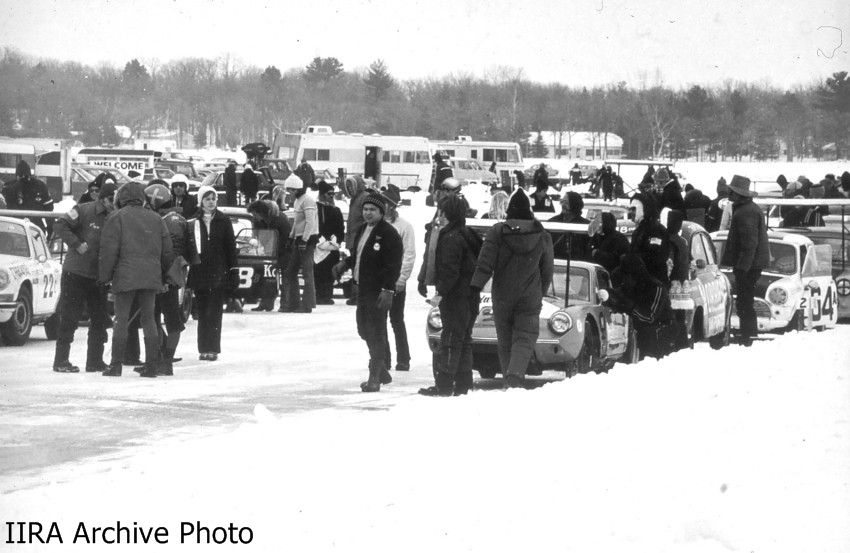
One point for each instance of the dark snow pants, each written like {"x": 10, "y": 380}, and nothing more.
{"x": 517, "y": 327}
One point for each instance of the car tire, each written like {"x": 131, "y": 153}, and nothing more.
{"x": 16, "y": 331}
{"x": 588, "y": 357}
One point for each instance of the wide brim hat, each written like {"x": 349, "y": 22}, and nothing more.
{"x": 741, "y": 186}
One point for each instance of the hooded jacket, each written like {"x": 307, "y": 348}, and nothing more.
{"x": 135, "y": 247}
{"x": 83, "y": 223}
{"x": 650, "y": 240}
{"x": 274, "y": 219}
{"x": 608, "y": 245}
{"x": 518, "y": 255}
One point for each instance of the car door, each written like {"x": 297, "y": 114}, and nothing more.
{"x": 709, "y": 286}
{"x": 820, "y": 305}
{"x": 615, "y": 331}
{"x": 45, "y": 285}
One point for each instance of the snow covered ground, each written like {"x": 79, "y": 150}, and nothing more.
{"x": 738, "y": 450}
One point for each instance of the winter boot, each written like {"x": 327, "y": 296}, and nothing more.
{"x": 151, "y": 366}
{"x": 166, "y": 366}
{"x": 374, "y": 382}
{"x": 114, "y": 369}
{"x": 94, "y": 356}
{"x": 60, "y": 358}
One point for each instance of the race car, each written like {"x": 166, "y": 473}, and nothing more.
{"x": 796, "y": 290}
{"x": 577, "y": 333}
{"x": 30, "y": 280}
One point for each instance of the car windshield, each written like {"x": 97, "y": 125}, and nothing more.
{"x": 579, "y": 283}
{"x": 783, "y": 257}
{"x": 185, "y": 169}
{"x": 13, "y": 240}
{"x": 255, "y": 242}
{"x": 163, "y": 173}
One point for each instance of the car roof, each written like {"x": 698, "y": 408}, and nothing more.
{"x": 773, "y": 236}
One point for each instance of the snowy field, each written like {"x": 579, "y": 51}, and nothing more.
{"x": 737, "y": 450}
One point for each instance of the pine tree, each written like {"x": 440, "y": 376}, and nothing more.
{"x": 379, "y": 81}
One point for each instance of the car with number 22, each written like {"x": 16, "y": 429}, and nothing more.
{"x": 30, "y": 280}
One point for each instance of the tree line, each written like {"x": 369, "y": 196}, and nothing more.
{"x": 225, "y": 103}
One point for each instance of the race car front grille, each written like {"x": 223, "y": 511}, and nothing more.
{"x": 762, "y": 308}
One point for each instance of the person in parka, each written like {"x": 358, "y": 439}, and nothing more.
{"x": 267, "y": 215}
{"x": 27, "y": 193}
{"x": 456, "y": 255}
{"x": 649, "y": 239}
{"x": 518, "y": 255}
{"x": 231, "y": 187}
{"x": 249, "y": 184}
{"x": 135, "y": 256}
{"x": 608, "y": 244}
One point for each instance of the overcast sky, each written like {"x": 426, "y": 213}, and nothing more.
{"x": 570, "y": 41}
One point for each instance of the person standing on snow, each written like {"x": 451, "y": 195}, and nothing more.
{"x": 249, "y": 184}
{"x": 306, "y": 174}
{"x": 304, "y": 237}
{"x": 518, "y": 255}
{"x": 331, "y": 235}
{"x": 747, "y": 253}
{"x": 135, "y": 256}
{"x": 457, "y": 252}
{"x": 212, "y": 274}
{"x": 80, "y": 229}
{"x": 27, "y": 193}
{"x": 442, "y": 171}
{"x": 375, "y": 261}
{"x": 230, "y": 185}
{"x": 392, "y": 197}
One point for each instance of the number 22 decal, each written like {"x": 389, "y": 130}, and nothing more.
{"x": 49, "y": 286}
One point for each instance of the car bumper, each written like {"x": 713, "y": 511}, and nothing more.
{"x": 769, "y": 317}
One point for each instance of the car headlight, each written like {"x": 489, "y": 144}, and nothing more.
{"x": 4, "y": 279}
{"x": 434, "y": 320}
{"x": 778, "y": 295}
{"x": 560, "y": 322}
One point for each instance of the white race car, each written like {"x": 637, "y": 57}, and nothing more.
{"x": 796, "y": 290}
{"x": 30, "y": 280}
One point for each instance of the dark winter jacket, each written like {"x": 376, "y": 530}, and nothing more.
{"x": 188, "y": 205}
{"x": 518, "y": 255}
{"x": 27, "y": 193}
{"x": 178, "y": 230}
{"x": 135, "y": 247}
{"x": 249, "y": 183}
{"x": 747, "y": 244}
{"x": 672, "y": 196}
{"x": 216, "y": 250}
{"x": 442, "y": 171}
{"x": 306, "y": 174}
{"x": 650, "y": 242}
{"x": 331, "y": 223}
{"x": 229, "y": 179}
{"x": 607, "y": 246}
{"x": 679, "y": 252}
{"x": 541, "y": 202}
{"x": 83, "y": 223}
{"x": 455, "y": 259}
{"x": 381, "y": 262}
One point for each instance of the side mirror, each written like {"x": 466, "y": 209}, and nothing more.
{"x": 701, "y": 264}
{"x": 603, "y": 295}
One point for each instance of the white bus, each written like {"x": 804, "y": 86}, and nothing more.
{"x": 401, "y": 160}
{"x": 507, "y": 155}
{"x": 132, "y": 162}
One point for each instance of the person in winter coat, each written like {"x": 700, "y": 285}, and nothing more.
{"x": 80, "y": 229}
{"x": 135, "y": 256}
{"x": 94, "y": 188}
{"x": 540, "y": 179}
{"x": 212, "y": 274}
{"x": 540, "y": 200}
{"x": 442, "y": 171}
{"x": 268, "y": 216}
{"x": 845, "y": 184}
{"x": 607, "y": 244}
{"x": 680, "y": 254}
{"x": 331, "y": 236}
{"x": 606, "y": 180}
{"x": 230, "y": 184}
{"x": 649, "y": 239}
{"x": 375, "y": 261}
{"x": 747, "y": 252}
{"x": 392, "y": 197}
{"x": 304, "y": 236}
{"x": 714, "y": 215}
{"x": 27, "y": 193}
{"x": 427, "y": 269}
{"x": 518, "y": 255}
{"x": 457, "y": 253}
{"x": 249, "y": 184}
{"x": 576, "y": 176}
{"x": 671, "y": 196}
{"x": 182, "y": 202}
{"x": 570, "y": 244}
{"x": 167, "y": 307}
{"x": 306, "y": 174}
{"x": 645, "y": 299}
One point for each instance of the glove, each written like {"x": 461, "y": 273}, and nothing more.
{"x": 422, "y": 289}
{"x": 339, "y": 269}
{"x": 82, "y": 248}
{"x": 385, "y": 300}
